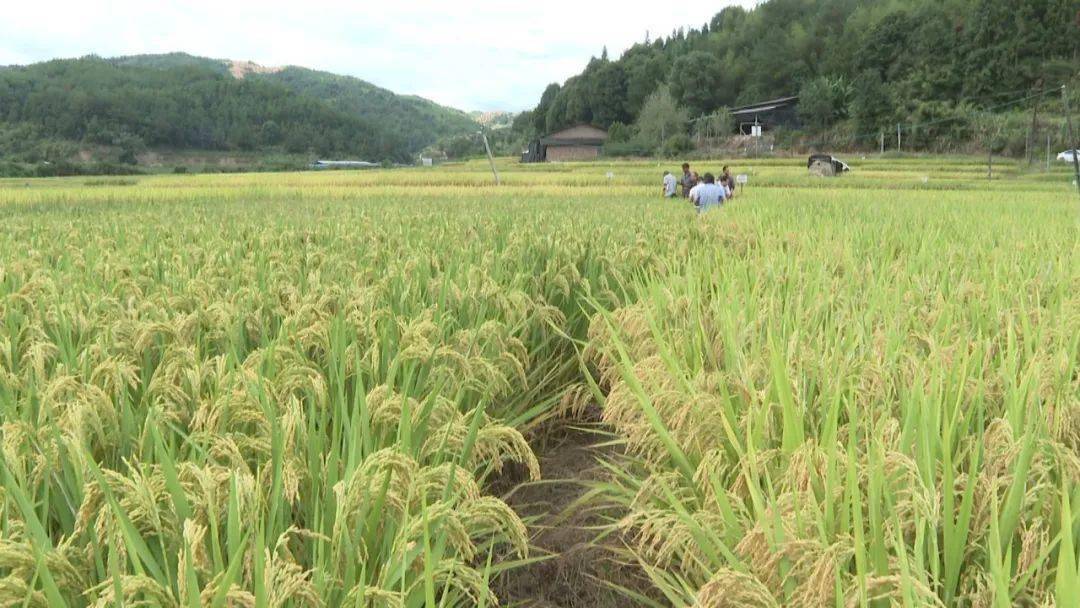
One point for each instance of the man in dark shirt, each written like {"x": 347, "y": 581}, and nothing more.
{"x": 688, "y": 180}
{"x": 728, "y": 181}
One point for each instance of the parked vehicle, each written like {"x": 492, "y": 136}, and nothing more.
{"x": 1068, "y": 156}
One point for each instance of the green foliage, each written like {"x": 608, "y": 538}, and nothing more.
{"x": 871, "y": 59}
{"x": 660, "y": 118}
{"x": 824, "y": 100}
{"x": 1007, "y": 134}
{"x": 525, "y": 124}
{"x": 461, "y": 146}
{"x": 540, "y": 114}
{"x": 190, "y": 103}
{"x": 937, "y": 121}
{"x": 717, "y": 124}
{"x": 696, "y": 82}
{"x": 503, "y": 142}
{"x": 677, "y": 145}
{"x": 632, "y": 148}
{"x": 646, "y": 69}
{"x": 399, "y": 120}
{"x": 871, "y": 106}
{"x": 599, "y": 97}
{"x": 620, "y": 133}
{"x": 607, "y": 92}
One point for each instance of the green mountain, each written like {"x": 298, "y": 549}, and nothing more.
{"x": 418, "y": 121}
{"x": 180, "y": 102}
{"x": 168, "y": 61}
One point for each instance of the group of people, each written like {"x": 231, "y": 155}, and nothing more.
{"x": 705, "y": 192}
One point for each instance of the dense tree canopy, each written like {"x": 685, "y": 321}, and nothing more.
{"x": 660, "y": 118}
{"x": 917, "y": 58}
{"x": 183, "y": 102}
{"x": 417, "y": 122}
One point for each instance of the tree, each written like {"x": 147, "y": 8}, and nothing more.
{"x": 572, "y": 104}
{"x": 540, "y": 114}
{"x": 645, "y": 70}
{"x": 270, "y": 133}
{"x": 194, "y": 106}
{"x": 696, "y": 82}
{"x": 676, "y": 145}
{"x": 129, "y": 146}
{"x": 884, "y": 47}
{"x": 660, "y": 118}
{"x": 824, "y": 100}
{"x": 871, "y": 106}
{"x": 524, "y": 124}
{"x": 607, "y": 95}
{"x": 729, "y": 19}
{"x": 620, "y": 133}
{"x": 816, "y": 104}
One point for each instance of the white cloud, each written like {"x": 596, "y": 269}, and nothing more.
{"x": 471, "y": 54}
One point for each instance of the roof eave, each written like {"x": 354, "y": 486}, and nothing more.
{"x": 572, "y": 142}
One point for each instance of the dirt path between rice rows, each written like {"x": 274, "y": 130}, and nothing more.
{"x": 573, "y": 577}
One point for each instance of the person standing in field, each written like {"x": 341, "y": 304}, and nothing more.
{"x": 727, "y": 180}
{"x": 688, "y": 181}
{"x": 708, "y": 194}
{"x": 669, "y": 185}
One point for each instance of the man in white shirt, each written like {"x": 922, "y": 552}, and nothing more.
{"x": 708, "y": 194}
{"x": 670, "y": 184}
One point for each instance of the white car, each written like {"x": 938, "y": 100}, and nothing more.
{"x": 1068, "y": 156}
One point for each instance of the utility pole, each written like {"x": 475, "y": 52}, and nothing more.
{"x": 1072, "y": 142}
{"x": 1047, "y": 152}
{"x": 491, "y": 159}
{"x": 882, "y": 143}
{"x": 897, "y": 137}
{"x": 1033, "y": 131}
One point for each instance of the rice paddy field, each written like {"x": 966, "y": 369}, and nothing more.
{"x": 304, "y": 390}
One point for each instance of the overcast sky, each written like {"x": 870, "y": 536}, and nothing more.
{"x": 470, "y": 54}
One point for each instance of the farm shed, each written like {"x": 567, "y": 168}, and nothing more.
{"x": 768, "y": 115}
{"x": 581, "y": 142}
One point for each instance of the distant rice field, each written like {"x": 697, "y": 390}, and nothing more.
{"x": 298, "y": 389}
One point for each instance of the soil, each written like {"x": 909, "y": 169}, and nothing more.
{"x": 239, "y": 69}
{"x": 574, "y": 576}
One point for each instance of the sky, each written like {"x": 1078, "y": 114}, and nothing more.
{"x": 468, "y": 54}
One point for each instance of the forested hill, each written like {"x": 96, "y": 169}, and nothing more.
{"x": 182, "y": 102}
{"x": 868, "y": 62}
{"x": 418, "y": 121}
